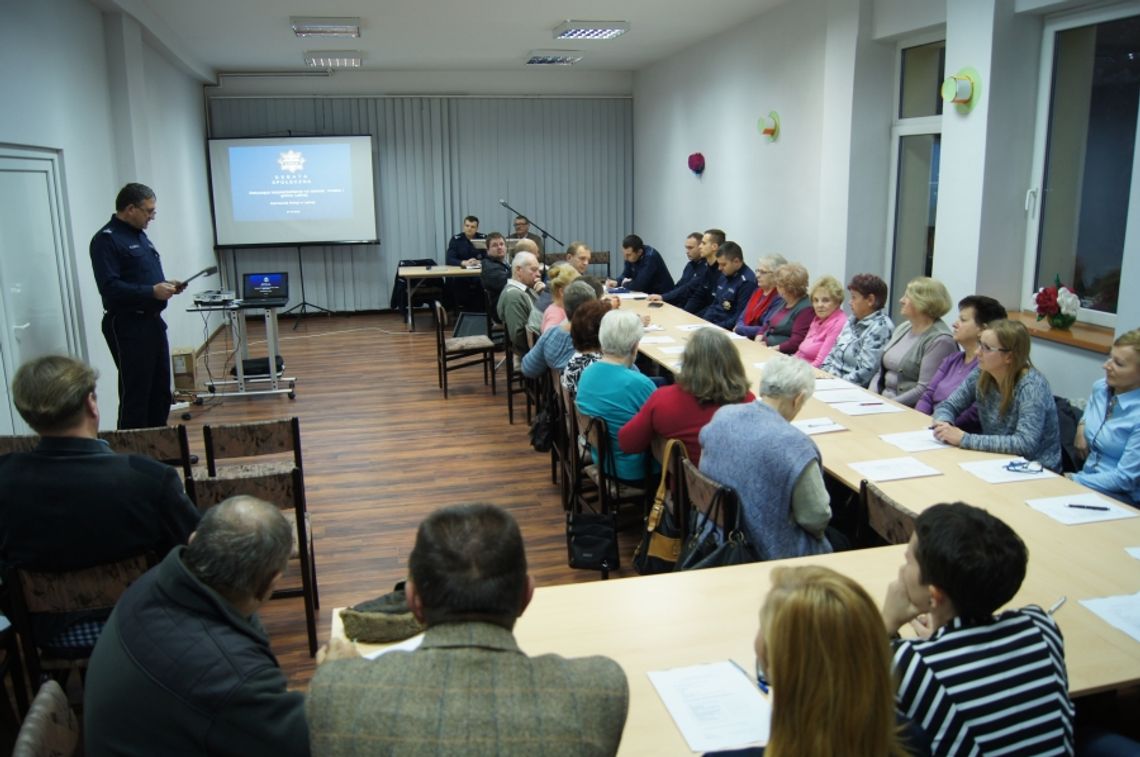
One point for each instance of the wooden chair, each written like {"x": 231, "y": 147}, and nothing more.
{"x": 613, "y": 492}
{"x": 286, "y": 489}
{"x": 496, "y": 332}
{"x": 516, "y": 382}
{"x": 92, "y": 589}
{"x": 254, "y": 439}
{"x": 50, "y": 728}
{"x": 885, "y": 515}
{"x": 12, "y": 668}
{"x": 453, "y": 353}
{"x": 601, "y": 258}
{"x": 703, "y": 494}
{"x": 18, "y": 443}
{"x": 167, "y": 444}
{"x": 575, "y": 483}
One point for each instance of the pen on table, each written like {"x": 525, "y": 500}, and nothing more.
{"x": 869, "y": 404}
{"x": 759, "y": 681}
{"x": 1079, "y": 506}
{"x": 1056, "y": 605}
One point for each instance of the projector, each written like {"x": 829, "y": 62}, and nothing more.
{"x": 214, "y": 297}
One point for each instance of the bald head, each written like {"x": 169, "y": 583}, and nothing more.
{"x": 526, "y": 245}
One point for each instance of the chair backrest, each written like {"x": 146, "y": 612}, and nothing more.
{"x": 251, "y": 439}
{"x": 279, "y": 486}
{"x": 439, "y": 320}
{"x": 671, "y": 467}
{"x": 34, "y": 592}
{"x": 19, "y": 443}
{"x": 168, "y": 444}
{"x": 601, "y": 258}
{"x": 494, "y": 325}
{"x": 717, "y": 501}
{"x": 885, "y": 515}
{"x": 50, "y": 727}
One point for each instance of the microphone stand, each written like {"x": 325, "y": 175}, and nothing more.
{"x": 546, "y": 235}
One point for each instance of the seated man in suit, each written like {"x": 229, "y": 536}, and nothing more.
{"x": 468, "y": 688}
{"x": 691, "y": 277}
{"x": 517, "y": 299}
{"x": 977, "y": 683}
{"x": 184, "y": 665}
{"x": 734, "y": 287}
{"x": 645, "y": 270}
{"x": 72, "y": 502}
{"x": 522, "y": 231}
{"x": 701, "y": 293}
{"x": 496, "y": 271}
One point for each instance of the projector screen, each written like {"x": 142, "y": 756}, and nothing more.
{"x": 292, "y": 190}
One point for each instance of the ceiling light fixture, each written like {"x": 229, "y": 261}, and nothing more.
{"x": 333, "y": 58}
{"x": 553, "y": 57}
{"x": 313, "y": 26}
{"x": 590, "y": 29}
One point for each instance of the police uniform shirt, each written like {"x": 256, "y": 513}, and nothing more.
{"x": 730, "y": 297}
{"x": 460, "y": 249}
{"x": 127, "y": 267}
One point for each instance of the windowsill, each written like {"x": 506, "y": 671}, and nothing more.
{"x": 1081, "y": 335}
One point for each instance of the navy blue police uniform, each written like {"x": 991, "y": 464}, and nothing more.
{"x": 127, "y": 267}
{"x": 731, "y": 295}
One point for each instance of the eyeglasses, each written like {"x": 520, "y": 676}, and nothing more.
{"x": 986, "y": 348}
{"x": 150, "y": 212}
{"x": 762, "y": 272}
{"x": 1023, "y": 466}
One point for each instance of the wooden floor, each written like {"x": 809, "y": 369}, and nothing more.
{"x": 382, "y": 449}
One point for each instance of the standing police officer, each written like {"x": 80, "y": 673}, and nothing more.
{"x": 134, "y": 289}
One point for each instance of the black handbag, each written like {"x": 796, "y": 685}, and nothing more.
{"x": 707, "y": 548}
{"x": 660, "y": 543}
{"x": 591, "y": 540}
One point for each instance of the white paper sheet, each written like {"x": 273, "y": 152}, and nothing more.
{"x": 853, "y": 394}
{"x": 995, "y": 472}
{"x": 759, "y": 363}
{"x": 694, "y": 326}
{"x": 655, "y": 327}
{"x": 873, "y": 407}
{"x": 715, "y": 706}
{"x": 673, "y": 350}
{"x": 1133, "y": 552}
{"x": 407, "y": 645}
{"x": 663, "y": 339}
{"x": 1094, "y": 508}
{"x": 1122, "y": 612}
{"x": 629, "y": 295}
{"x": 914, "y": 441}
{"x": 832, "y": 384}
{"x": 893, "y": 468}
{"x": 813, "y": 426}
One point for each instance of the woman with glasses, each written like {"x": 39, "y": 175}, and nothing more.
{"x": 1108, "y": 435}
{"x": 1015, "y": 404}
{"x": 765, "y": 301}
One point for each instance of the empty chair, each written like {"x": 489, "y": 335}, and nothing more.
{"x": 19, "y": 443}
{"x": 231, "y": 441}
{"x": 167, "y": 444}
{"x": 886, "y": 516}
{"x": 455, "y": 352}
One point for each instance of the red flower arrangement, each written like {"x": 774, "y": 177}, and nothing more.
{"x": 1058, "y": 303}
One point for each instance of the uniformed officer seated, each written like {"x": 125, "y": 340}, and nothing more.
{"x": 735, "y": 286}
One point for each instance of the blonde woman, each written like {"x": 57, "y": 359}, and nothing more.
{"x": 822, "y": 647}
{"x": 826, "y": 299}
{"x": 1015, "y": 404}
{"x": 1109, "y": 434}
{"x": 788, "y": 325}
{"x": 560, "y": 277}
{"x": 918, "y": 346}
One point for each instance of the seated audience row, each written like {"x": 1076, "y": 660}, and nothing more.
{"x": 789, "y": 324}
{"x": 584, "y": 328}
{"x": 765, "y": 301}
{"x": 859, "y": 348}
{"x": 555, "y": 347}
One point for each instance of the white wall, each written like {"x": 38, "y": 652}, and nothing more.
{"x": 60, "y": 88}
{"x": 708, "y": 99}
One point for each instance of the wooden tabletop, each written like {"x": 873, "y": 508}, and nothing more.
{"x": 435, "y": 271}
{"x": 657, "y": 622}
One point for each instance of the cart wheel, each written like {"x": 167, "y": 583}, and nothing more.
{"x": 292, "y": 395}
{"x": 199, "y": 401}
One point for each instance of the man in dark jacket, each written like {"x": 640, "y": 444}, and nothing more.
{"x": 734, "y": 288}
{"x": 72, "y": 502}
{"x": 644, "y": 270}
{"x": 183, "y": 665}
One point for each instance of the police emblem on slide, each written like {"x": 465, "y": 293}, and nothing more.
{"x": 291, "y": 161}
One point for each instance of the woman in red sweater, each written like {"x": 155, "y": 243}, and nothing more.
{"x": 711, "y": 375}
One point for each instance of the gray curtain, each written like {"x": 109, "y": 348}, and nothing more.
{"x": 565, "y": 162}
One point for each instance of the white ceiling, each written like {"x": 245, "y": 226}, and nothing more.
{"x": 254, "y": 35}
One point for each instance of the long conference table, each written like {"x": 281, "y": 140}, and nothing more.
{"x": 658, "y": 622}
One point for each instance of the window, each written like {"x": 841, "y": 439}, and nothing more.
{"x": 1086, "y": 146}
{"x": 916, "y": 138}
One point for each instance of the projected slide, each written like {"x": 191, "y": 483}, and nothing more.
{"x": 314, "y": 190}
{"x": 273, "y": 184}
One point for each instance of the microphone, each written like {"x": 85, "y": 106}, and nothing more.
{"x": 502, "y": 202}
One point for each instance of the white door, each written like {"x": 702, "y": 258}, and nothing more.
{"x": 37, "y": 287}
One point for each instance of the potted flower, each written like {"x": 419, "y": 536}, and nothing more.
{"x": 1058, "y": 303}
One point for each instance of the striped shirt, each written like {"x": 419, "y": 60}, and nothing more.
{"x": 994, "y": 688}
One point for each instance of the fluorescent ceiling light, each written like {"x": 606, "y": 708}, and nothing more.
{"x": 312, "y": 26}
{"x": 333, "y": 58}
{"x": 553, "y": 57}
{"x": 590, "y": 29}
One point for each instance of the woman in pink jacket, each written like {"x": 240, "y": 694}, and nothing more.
{"x": 826, "y": 298}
